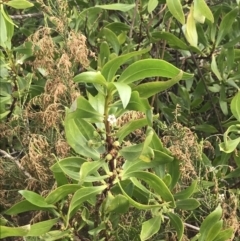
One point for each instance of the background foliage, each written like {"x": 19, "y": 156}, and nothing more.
{"x": 120, "y": 121}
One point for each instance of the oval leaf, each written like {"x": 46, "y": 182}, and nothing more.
{"x": 187, "y": 204}
{"x": 150, "y": 227}
{"x": 150, "y": 68}
{"x": 176, "y": 10}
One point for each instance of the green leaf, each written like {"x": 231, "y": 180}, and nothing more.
{"x": 161, "y": 157}
{"x": 150, "y": 227}
{"x": 177, "y": 224}
{"x": 139, "y": 151}
{"x": 70, "y": 166}
{"x": 215, "y": 69}
{"x": 190, "y": 30}
{"x": 154, "y": 182}
{"x": 110, "y": 68}
{"x": 83, "y": 195}
{"x": 233, "y": 174}
{"x": 35, "y": 199}
{"x": 225, "y": 25}
{"x": 90, "y": 77}
{"x": 117, "y": 6}
{"x": 230, "y": 145}
{"x": 111, "y": 38}
{"x": 214, "y": 230}
{"x": 187, "y": 204}
{"x": 103, "y": 55}
{"x": 176, "y": 10}
{"x": 137, "y": 204}
{"x": 171, "y": 39}
{"x": 186, "y": 193}
{"x": 14, "y": 232}
{"x": 83, "y": 109}
{"x": 22, "y": 207}
{"x": 3, "y": 31}
{"x": 89, "y": 168}
{"x": 205, "y": 128}
{"x": 224, "y": 235}
{"x": 208, "y": 221}
{"x": 19, "y": 4}
{"x": 119, "y": 204}
{"x": 152, "y": 4}
{"x": 201, "y": 10}
{"x": 41, "y": 228}
{"x": 235, "y": 106}
{"x": 61, "y": 192}
{"x": 125, "y": 92}
{"x": 149, "y": 89}
{"x": 174, "y": 171}
{"x": 130, "y": 127}
{"x": 150, "y": 68}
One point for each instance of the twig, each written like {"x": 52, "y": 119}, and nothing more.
{"x": 186, "y": 224}
{"x": 133, "y": 19}
{"x": 6, "y": 155}
{"x": 28, "y": 15}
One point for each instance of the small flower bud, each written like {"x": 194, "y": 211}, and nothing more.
{"x": 116, "y": 144}
{"x": 109, "y": 157}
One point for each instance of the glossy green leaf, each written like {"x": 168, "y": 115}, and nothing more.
{"x": 149, "y": 89}
{"x": 103, "y": 55}
{"x": 90, "y": 77}
{"x": 171, "y": 39}
{"x": 187, "y": 204}
{"x": 35, "y": 199}
{"x": 109, "y": 70}
{"x": 117, "y": 6}
{"x": 118, "y": 27}
{"x": 225, "y": 25}
{"x": 235, "y": 106}
{"x": 177, "y": 224}
{"x": 61, "y": 193}
{"x": 19, "y": 4}
{"x": 150, "y": 68}
{"x": 229, "y": 145}
{"x": 215, "y": 69}
{"x": 21, "y": 207}
{"x": 79, "y": 132}
{"x": 212, "y": 218}
{"x": 154, "y": 182}
{"x": 41, "y": 228}
{"x": 186, "y": 193}
{"x": 205, "y": 128}
{"x": 233, "y": 174}
{"x": 119, "y": 204}
{"x": 190, "y": 29}
{"x": 130, "y": 127}
{"x": 201, "y": 10}
{"x": 152, "y": 4}
{"x": 161, "y": 157}
{"x": 81, "y": 108}
{"x": 3, "y": 31}
{"x": 137, "y": 204}
{"x": 125, "y": 92}
{"x": 224, "y": 235}
{"x": 176, "y": 10}
{"x": 139, "y": 151}
{"x": 83, "y": 195}
{"x": 174, "y": 171}
{"x": 111, "y": 38}
{"x": 150, "y": 227}
{"x": 89, "y": 168}
{"x": 14, "y": 232}
{"x": 70, "y": 166}
{"x": 214, "y": 230}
